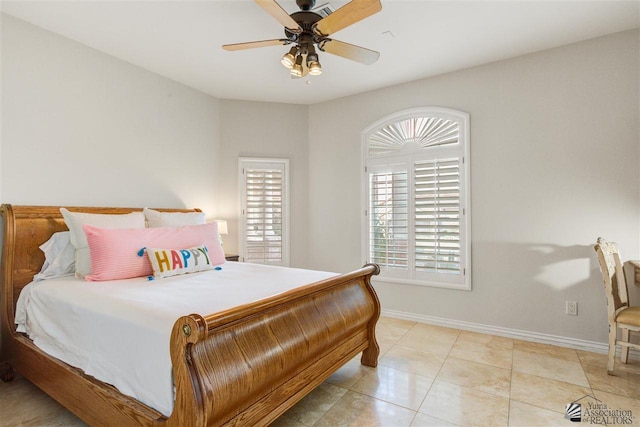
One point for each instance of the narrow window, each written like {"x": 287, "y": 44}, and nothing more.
{"x": 264, "y": 185}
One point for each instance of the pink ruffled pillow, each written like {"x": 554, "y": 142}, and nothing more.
{"x": 114, "y": 251}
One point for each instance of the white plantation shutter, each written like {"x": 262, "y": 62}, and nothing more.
{"x": 424, "y": 131}
{"x": 437, "y": 216}
{"x": 389, "y": 219}
{"x": 263, "y": 213}
{"x": 417, "y": 192}
{"x": 264, "y": 228}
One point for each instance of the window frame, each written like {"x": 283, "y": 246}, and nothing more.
{"x": 243, "y": 163}
{"x": 408, "y": 159}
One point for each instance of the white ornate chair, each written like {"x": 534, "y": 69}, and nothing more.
{"x": 619, "y": 313}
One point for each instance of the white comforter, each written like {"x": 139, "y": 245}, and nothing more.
{"x": 119, "y": 331}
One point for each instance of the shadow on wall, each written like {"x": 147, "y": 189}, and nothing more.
{"x": 564, "y": 267}
{"x": 532, "y": 265}
{"x": 537, "y": 278}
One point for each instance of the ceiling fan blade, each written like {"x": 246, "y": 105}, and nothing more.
{"x": 252, "y": 45}
{"x": 281, "y": 15}
{"x": 349, "y": 51}
{"x": 350, "y": 13}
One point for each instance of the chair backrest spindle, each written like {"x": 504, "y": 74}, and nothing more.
{"x": 613, "y": 275}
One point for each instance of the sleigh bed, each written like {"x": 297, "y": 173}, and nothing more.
{"x": 242, "y": 366}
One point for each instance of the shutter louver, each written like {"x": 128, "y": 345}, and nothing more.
{"x": 426, "y": 132}
{"x": 264, "y": 216}
{"x": 389, "y": 219}
{"x": 437, "y": 216}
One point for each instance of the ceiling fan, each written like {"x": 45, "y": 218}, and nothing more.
{"x": 306, "y": 30}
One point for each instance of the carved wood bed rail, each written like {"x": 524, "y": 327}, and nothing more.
{"x": 242, "y": 366}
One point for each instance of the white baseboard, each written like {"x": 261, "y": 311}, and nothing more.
{"x": 593, "y": 346}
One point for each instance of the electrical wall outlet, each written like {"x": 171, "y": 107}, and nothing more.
{"x": 572, "y": 308}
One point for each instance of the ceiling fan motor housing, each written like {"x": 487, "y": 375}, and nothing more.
{"x": 306, "y": 20}
{"x": 306, "y": 4}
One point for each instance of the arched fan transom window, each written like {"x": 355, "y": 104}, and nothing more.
{"x": 416, "y": 225}
{"x": 413, "y": 134}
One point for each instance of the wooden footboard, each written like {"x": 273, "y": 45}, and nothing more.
{"x": 243, "y": 366}
{"x": 246, "y": 366}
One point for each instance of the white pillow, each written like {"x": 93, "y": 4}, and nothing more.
{"x": 173, "y": 219}
{"x": 59, "y": 257}
{"x": 75, "y": 221}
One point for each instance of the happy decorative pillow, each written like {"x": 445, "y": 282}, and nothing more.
{"x": 114, "y": 252}
{"x": 171, "y": 262}
{"x": 75, "y": 221}
{"x": 173, "y": 219}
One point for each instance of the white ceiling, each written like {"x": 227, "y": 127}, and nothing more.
{"x": 181, "y": 39}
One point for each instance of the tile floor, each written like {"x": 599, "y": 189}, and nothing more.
{"x": 427, "y": 376}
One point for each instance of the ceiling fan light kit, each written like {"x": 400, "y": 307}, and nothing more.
{"x": 313, "y": 63}
{"x": 307, "y": 30}
{"x": 297, "y": 71}
{"x": 289, "y": 58}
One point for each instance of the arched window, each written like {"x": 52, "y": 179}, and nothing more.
{"x": 416, "y": 191}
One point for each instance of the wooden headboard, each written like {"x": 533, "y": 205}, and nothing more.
{"x": 25, "y": 228}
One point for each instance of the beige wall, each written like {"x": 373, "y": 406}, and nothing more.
{"x": 259, "y": 129}
{"x": 83, "y": 128}
{"x": 554, "y": 164}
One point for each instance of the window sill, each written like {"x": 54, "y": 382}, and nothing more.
{"x": 423, "y": 283}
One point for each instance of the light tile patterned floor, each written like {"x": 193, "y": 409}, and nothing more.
{"x": 427, "y": 376}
